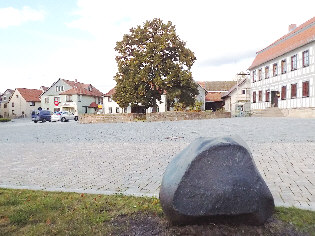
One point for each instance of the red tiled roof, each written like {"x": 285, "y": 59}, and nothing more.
{"x": 214, "y": 97}
{"x": 93, "y": 105}
{"x": 81, "y": 89}
{"x": 110, "y": 92}
{"x": 302, "y": 35}
{"x": 30, "y": 95}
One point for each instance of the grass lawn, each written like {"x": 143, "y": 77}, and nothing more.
{"x": 25, "y": 212}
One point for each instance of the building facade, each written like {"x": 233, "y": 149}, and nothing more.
{"x": 111, "y": 107}
{"x": 4, "y": 100}
{"x": 72, "y": 96}
{"x": 214, "y": 91}
{"x": 23, "y": 101}
{"x": 237, "y": 99}
{"x": 283, "y": 74}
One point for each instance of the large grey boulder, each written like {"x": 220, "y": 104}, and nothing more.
{"x": 215, "y": 179}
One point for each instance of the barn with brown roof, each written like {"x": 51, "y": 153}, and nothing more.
{"x": 283, "y": 73}
{"x": 215, "y": 91}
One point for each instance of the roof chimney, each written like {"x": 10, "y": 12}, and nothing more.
{"x": 292, "y": 27}
{"x": 76, "y": 80}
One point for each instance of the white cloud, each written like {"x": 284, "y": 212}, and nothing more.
{"x": 14, "y": 17}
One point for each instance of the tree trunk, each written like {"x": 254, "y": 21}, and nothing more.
{"x": 154, "y": 110}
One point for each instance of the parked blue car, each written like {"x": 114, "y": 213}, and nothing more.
{"x": 42, "y": 115}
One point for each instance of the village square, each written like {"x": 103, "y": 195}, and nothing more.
{"x": 70, "y": 136}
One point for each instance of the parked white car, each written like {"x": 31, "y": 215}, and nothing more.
{"x": 66, "y": 116}
{"x": 56, "y": 116}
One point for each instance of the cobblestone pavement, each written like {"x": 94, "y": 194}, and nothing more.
{"x": 130, "y": 158}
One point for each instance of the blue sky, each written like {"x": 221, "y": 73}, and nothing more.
{"x": 43, "y": 40}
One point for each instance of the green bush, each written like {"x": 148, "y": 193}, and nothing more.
{"x": 5, "y": 119}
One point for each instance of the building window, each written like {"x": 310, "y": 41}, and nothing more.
{"x": 109, "y": 99}
{"x": 254, "y": 97}
{"x": 306, "y": 89}
{"x": 79, "y": 98}
{"x": 57, "y": 88}
{"x": 293, "y": 90}
{"x": 306, "y": 58}
{"x": 32, "y": 104}
{"x": 117, "y": 109}
{"x": 4, "y": 98}
{"x": 100, "y": 100}
{"x": 267, "y": 96}
{"x": 254, "y": 76}
{"x": 283, "y": 66}
{"x": 266, "y": 72}
{"x": 275, "y": 69}
{"x": 110, "y": 110}
{"x": 12, "y": 104}
{"x": 62, "y": 88}
{"x": 283, "y": 92}
{"x": 13, "y": 112}
{"x": 243, "y": 91}
{"x": 57, "y": 99}
{"x": 260, "y": 96}
{"x": 69, "y": 98}
{"x": 294, "y": 62}
{"x": 125, "y": 110}
{"x": 4, "y": 105}
{"x": 17, "y": 96}
{"x": 260, "y": 74}
{"x": 46, "y": 99}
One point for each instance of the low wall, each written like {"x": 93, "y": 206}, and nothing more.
{"x": 110, "y": 118}
{"x": 299, "y": 112}
{"x": 159, "y": 116}
{"x": 173, "y": 116}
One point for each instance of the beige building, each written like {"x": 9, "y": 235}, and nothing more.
{"x": 4, "y": 100}
{"x": 237, "y": 99}
{"x": 23, "y": 101}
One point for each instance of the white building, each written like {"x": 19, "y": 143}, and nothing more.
{"x": 72, "y": 96}
{"x": 111, "y": 107}
{"x": 283, "y": 74}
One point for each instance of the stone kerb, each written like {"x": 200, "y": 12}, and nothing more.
{"x": 151, "y": 117}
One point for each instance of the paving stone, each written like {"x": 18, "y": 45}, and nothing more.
{"x": 103, "y": 157}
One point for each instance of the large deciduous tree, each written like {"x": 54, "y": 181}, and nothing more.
{"x": 153, "y": 60}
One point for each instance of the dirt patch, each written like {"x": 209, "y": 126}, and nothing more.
{"x": 148, "y": 224}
